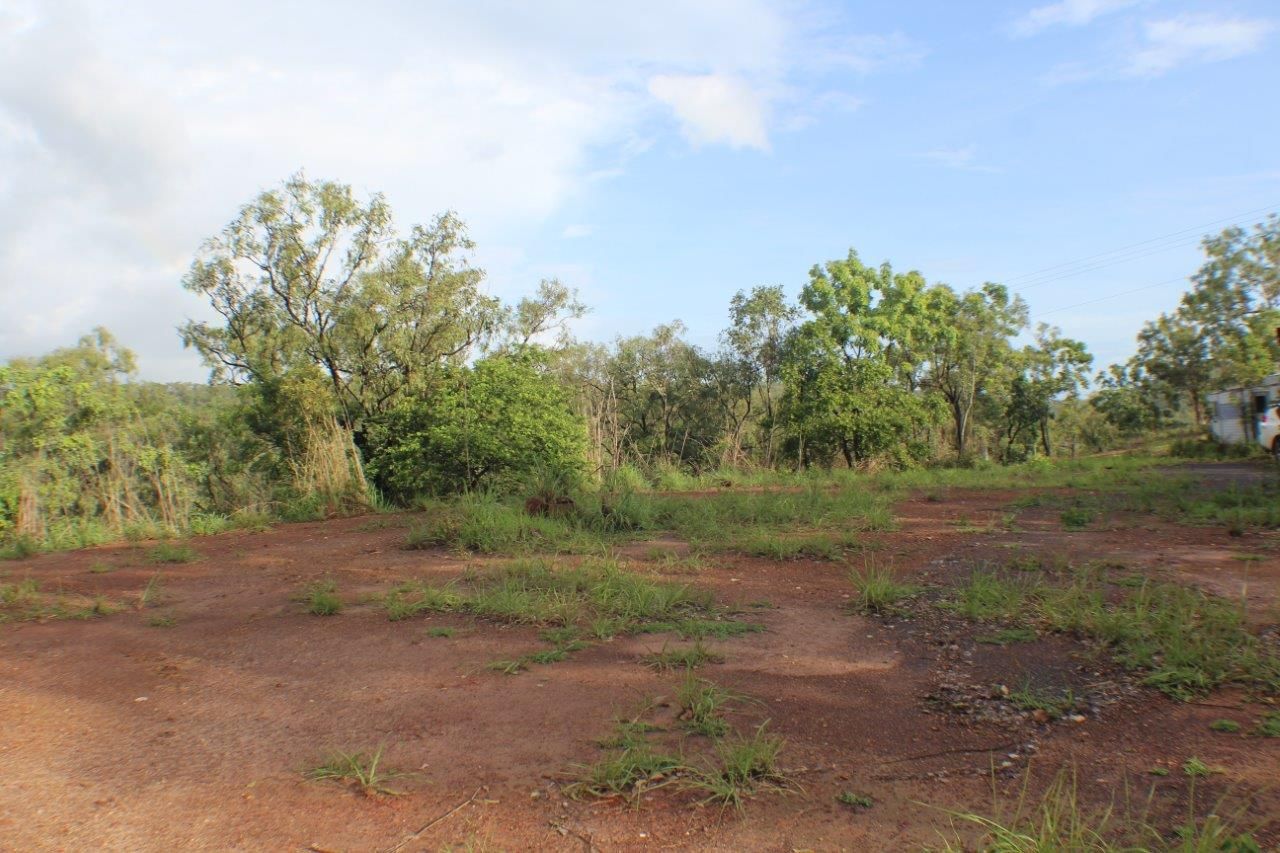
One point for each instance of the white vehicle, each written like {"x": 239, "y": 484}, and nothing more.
{"x": 1269, "y": 430}
{"x": 1242, "y": 415}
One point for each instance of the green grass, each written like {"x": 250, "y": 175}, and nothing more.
{"x": 628, "y": 772}
{"x": 440, "y": 632}
{"x": 1009, "y": 636}
{"x": 1225, "y": 726}
{"x": 689, "y": 657}
{"x": 628, "y": 734}
{"x": 763, "y": 523}
{"x": 598, "y": 596}
{"x": 321, "y": 598}
{"x": 1269, "y": 725}
{"x": 99, "y": 567}
{"x": 743, "y": 765}
{"x": 19, "y": 548}
{"x": 877, "y": 591}
{"x": 1076, "y": 518}
{"x": 1055, "y": 703}
{"x": 987, "y": 596}
{"x": 854, "y": 801}
{"x": 162, "y": 620}
{"x": 1186, "y": 641}
{"x": 1058, "y": 820}
{"x": 702, "y": 706}
{"x": 360, "y": 770}
{"x": 172, "y": 552}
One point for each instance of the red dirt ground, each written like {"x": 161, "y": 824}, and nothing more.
{"x": 117, "y": 734}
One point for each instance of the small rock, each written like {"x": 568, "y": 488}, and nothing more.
{"x": 1076, "y": 718}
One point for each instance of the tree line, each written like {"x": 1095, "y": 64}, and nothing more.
{"x": 352, "y": 363}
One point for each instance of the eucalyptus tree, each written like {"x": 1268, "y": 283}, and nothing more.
{"x": 310, "y": 281}
{"x": 971, "y": 349}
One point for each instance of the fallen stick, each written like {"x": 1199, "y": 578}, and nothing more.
{"x": 435, "y": 820}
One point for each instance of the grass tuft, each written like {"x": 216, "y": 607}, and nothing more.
{"x": 321, "y": 598}
{"x": 360, "y": 770}
{"x": 690, "y": 657}
{"x": 878, "y": 592}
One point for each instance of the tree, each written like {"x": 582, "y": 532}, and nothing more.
{"x": 970, "y": 348}
{"x": 493, "y": 424}
{"x": 306, "y": 278}
{"x": 758, "y": 327}
{"x": 1172, "y": 350}
{"x": 1055, "y": 367}
{"x": 849, "y": 369}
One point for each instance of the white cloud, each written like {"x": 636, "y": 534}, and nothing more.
{"x": 131, "y": 132}
{"x": 714, "y": 108}
{"x": 1069, "y": 13}
{"x": 575, "y": 232}
{"x": 963, "y": 159}
{"x": 1189, "y": 39}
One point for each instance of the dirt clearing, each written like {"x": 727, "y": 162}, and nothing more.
{"x": 190, "y": 715}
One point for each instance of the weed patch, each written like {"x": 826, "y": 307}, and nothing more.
{"x": 360, "y": 770}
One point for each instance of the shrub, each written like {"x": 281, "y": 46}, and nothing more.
{"x": 493, "y": 424}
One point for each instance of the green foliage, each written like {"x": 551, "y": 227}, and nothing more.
{"x": 702, "y": 706}
{"x": 744, "y": 764}
{"x": 540, "y": 593}
{"x": 1059, "y": 820}
{"x": 360, "y": 770}
{"x": 172, "y": 552}
{"x": 490, "y": 425}
{"x": 689, "y": 658}
{"x": 321, "y": 598}
{"x": 878, "y": 591}
{"x": 855, "y": 801}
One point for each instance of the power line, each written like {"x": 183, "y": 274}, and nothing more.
{"x": 1132, "y": 251}
{"x": 1111, "y": 296}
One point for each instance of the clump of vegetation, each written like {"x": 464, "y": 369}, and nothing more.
{"x": 1076, "y": 518}
{"x": 564, "y": 641}
{"x": 1225, "y": 726}
{"x": 1269, "y": 725}
{"x": 1008, "y": 636}
{"x": 1186, "y": 642}
{"x": 597, "y": 595}
{"x": 361, "y": 770}
{"x": 987, "y": 596}
{"x": 440, "y": 631}
{"x": 689, "y": 657}
{"x": 19, "y": 548}
{"x": 628, "y": 772}
{"x": 878, "y": 591}
{"x": 321, "y": 598}
{"x": 702, "y": 705}
{"x": 1054, "y": 703}
{"x": 744, "y": 764}
{"x": 172, "y": 552}
{"x": 854, "y": 801}
{"x": 1059, "y": 820}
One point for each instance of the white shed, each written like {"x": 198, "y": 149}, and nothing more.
{"x": 1233, "y": 412}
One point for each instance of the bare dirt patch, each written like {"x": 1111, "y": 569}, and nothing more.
{"x": 194, "y": 730}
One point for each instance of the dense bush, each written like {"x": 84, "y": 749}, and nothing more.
{"x": 493, "y": 425}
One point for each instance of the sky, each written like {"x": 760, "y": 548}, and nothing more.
{"x": 658, "y": 156}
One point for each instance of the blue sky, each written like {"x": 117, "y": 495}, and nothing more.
{"x": 658, "y": 156}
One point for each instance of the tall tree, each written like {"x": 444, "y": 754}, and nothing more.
{"x": 849, "y": 366}
{"x": 971, "y": 346}
{"x": 758, "y": 327}
{"x": 307, "y": 278}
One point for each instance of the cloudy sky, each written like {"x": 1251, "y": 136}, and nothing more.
{"x": 657, "y": 155}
